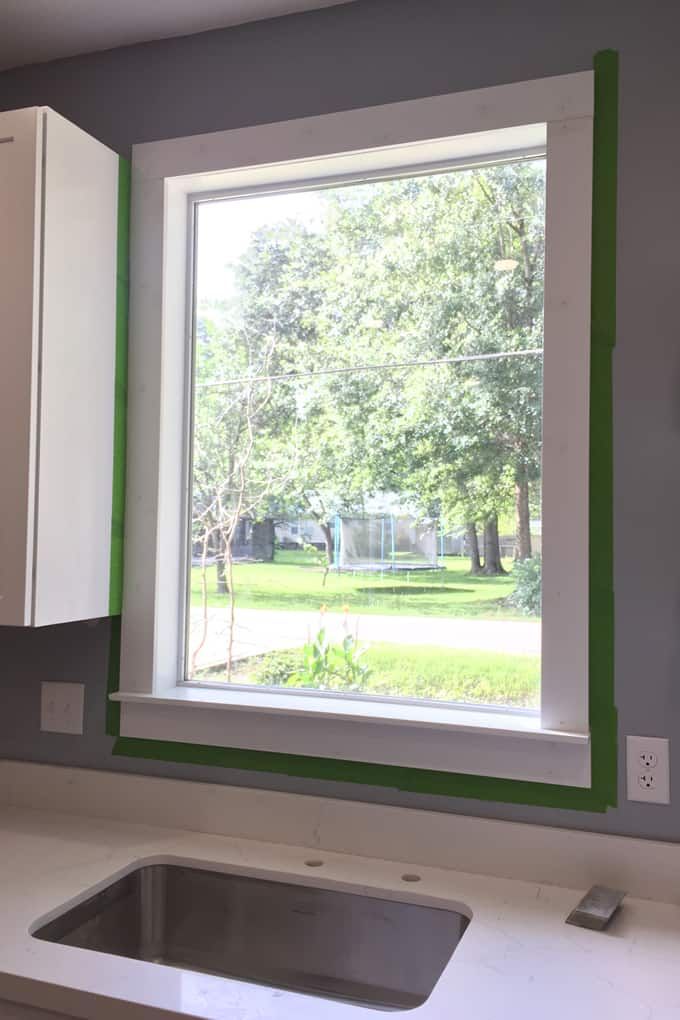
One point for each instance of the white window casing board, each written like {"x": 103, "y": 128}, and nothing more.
{"x": 167, "y": 177}
{"x": 409, "y": 123}
{"x": 566, "y": 425}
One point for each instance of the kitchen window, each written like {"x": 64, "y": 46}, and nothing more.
{"x": 367, "y": 359}
{"x": 357, "y": 492}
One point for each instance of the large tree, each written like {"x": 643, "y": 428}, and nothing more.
{"x": 410, "y": 275}
{"x": 437, "y": 269}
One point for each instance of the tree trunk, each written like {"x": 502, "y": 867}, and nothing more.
{"x": 263, "y": 540}
{"x": 492, "y": 548}
{"x": 473, "y": 548}
{"x": 523, "y": 534}
{"x": 328, "y": 539}
{"x": 222, "y": 587}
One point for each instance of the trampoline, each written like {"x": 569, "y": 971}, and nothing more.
{"x": 385, "y": 542}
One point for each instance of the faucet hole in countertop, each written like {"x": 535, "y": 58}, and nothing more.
{"x": 314, "y": 864}
{"x": 410, "y": 877}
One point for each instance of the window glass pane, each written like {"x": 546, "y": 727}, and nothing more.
{"x": 366, "y": 476}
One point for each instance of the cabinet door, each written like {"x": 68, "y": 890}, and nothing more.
{"x": 77, "y": 376}
{"x": 20, "y": 214}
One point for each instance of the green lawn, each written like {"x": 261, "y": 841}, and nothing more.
{"x": 295, "y": 580}
{"x": 424, "y": 671}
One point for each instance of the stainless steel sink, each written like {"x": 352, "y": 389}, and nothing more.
{"x": 362, "y": 949}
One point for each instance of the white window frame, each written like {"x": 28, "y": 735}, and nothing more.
{"x": 552, "y": 116}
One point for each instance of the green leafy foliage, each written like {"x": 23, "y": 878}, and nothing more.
{"x": 327, "y": 665}
{"x": 527, "y": 594}
{"x": 424, "y": 672}
{"x": 274, "y": 669}
{"x": 397, "y": 271}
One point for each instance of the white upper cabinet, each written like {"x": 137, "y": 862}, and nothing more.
{"x": 58, "y": 267}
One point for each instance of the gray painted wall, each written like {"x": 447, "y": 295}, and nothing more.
{"x": 377, "y": 51}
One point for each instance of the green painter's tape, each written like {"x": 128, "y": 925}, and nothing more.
{"x": 119, "y": 443}
{"x": 411, "y": 780}
{"x": 120, "y": 405}
{"x": 603, "y": 717}
{"x": 603, "y": 721}
{"x": 605, "y": 144}
{"x": 113, "y": 679}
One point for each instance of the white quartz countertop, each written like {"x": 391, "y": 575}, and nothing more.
{"x": 517, "y": 958}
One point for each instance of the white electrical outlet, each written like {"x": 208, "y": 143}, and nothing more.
{"x": 648, "y": 768}
{"x": 62, "y": 707}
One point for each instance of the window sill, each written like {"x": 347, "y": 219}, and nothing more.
{"x": 473, "y": 741}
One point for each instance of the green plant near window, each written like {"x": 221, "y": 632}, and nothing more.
{"x": 328, "y": 665}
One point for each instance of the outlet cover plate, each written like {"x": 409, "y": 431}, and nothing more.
{"x": 61, "y": 707}
{"x": 648, "y": 769}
